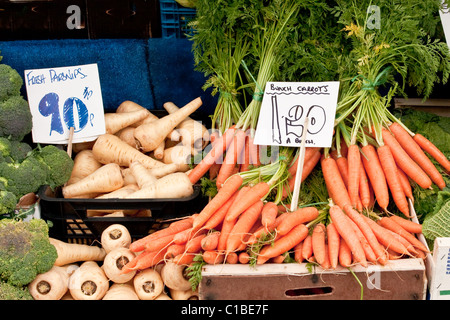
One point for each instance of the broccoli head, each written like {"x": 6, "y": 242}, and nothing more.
{"x": 8, "y": 202}
{"x": 24, "y": 177}
{"x": 10, "y": 82}
{"x": 10, "y": 292}
{"x": 5, "y": 147}
{"x": 58, "y": 162}
{"x": 25, "y": 250}
{"x": 19, "y": 150}
{"x": 15, "y": 118}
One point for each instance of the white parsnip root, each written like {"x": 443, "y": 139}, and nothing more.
{"x": 88, "y": 282}
{"x": 105, "y": 179}
{"x": 115, "y": 236}
{"x": 150, "y": 135}
{"x": 73, "y": 252}
{"x": 51, "y": 285}
{"x": 148, "y": 284}
{"x": 114, "y": 261}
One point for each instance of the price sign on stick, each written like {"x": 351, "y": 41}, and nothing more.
{"x": 66, "y": 103}
{"x": 297, "y": 114}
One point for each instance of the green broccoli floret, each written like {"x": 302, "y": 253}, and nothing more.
{"x": 25, "y": 177}
{"x": 10, "y": 292}
{"x": 5, "y": 147}
{"x": 19, "y": 150}
{"x": 10, "y": 82}
{"x": 8, "y": 202}
{"x": 25, "y": 250}
{"x": 58, "y": 162}
{"x": 15, "y": 118}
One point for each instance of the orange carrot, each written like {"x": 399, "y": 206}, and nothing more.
{"x": 368, "y": 251}
{"x": 214, "y": 170}
{"x": 354, "y": 164}
{"x": 246, "y": 157}
{"x": 227, "y": 226}
{"x": 408, "y": 225}
{"x": 174, "y": 249}
{"x": 395, "y": 227}
{"x": 412, "y": 251}
{"x": 184, "y": 258}
{"x": 256, "y": 193}
{"x": 183, "y": 237}
{"x": 386, "y": 238}
{"x": 333, "y": 242}
{"x": 269, "y": 214}
{"x": 212, "y": 156}
{"x": 326, "y": 263}
{"x": 225, "y": 193}
{"x": 243, "y": 225}
{"x": 195, "y": 244}
{"x": 406, "y": 185}
{"x": 358, "y": 219}
{"x": 298, "y": 252}
{"x": 299, "y": 216}
{"x": 213, "y": 257}
{"x": 390, "y": 170}
{"x": 319, "y": 242}
{"x": 232, "y": 258}
{"x": 404, "y": 161}
{"x": 343, "y": 226}
{"x": 218, "y": 217}
{"x": 432, "y": 150}
{"x": 145, "y": 260}
{"x": 210, "y": 241}
{"x": 263, "y": 230}
{"x": 160, "y": 243}
{"x": 376, "y": 176}
{"x": 231, "y": 157}
{"x": 308, "y": 167}
{"x": 173, "y": 228}
{"x": 309, "y": 152}
{"x": 345, "y": 254}
{"x": 283, "y": 244}
{"x": 334, "y": 182}
{"x": 364, "y": 188}
{"x": 342, "y": 164}
{"x": 244, "y": 257}
{"x": 307, "y": 250}
{"x": 416, "y": 153}
{"x": 278, "y": 259}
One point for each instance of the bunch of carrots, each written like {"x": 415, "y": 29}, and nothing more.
{"x": 236, "y": 226}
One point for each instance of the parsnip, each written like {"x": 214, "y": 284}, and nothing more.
{"x": 150, "y": 135}
{"x": 115, "y": 236}
{"x": 121, "y": 291}
{"x": 148, "y": 284}
{"x": 88, "y": 282}
{"x": 175, "y": 185}
{"x": 105, "y": 179}
{"x": 114, "y": 262}
{"x": 73, "y": 252}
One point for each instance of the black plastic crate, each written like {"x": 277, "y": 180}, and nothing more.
{"x": 71, "y": 223}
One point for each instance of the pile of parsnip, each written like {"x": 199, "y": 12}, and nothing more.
{"x": 90, "y": 272}
{"x": 140, "y": 156}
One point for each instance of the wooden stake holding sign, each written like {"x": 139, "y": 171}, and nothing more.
{"x": 298, "y": 175}
{"x": 300, "y": 115}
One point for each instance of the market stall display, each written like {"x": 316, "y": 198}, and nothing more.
{"x": 377, "y": 195}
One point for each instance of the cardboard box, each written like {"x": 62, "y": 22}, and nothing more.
{"x": 439, "y": 269}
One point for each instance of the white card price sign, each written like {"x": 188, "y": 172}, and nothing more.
{"x": 297, "y": 114}
{"x": 284, "y": 108}
{"x": 65, "y": 102}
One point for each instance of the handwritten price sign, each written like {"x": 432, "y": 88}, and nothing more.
{"x": 65, "y": 98}
{"x": 284, "y": 108}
